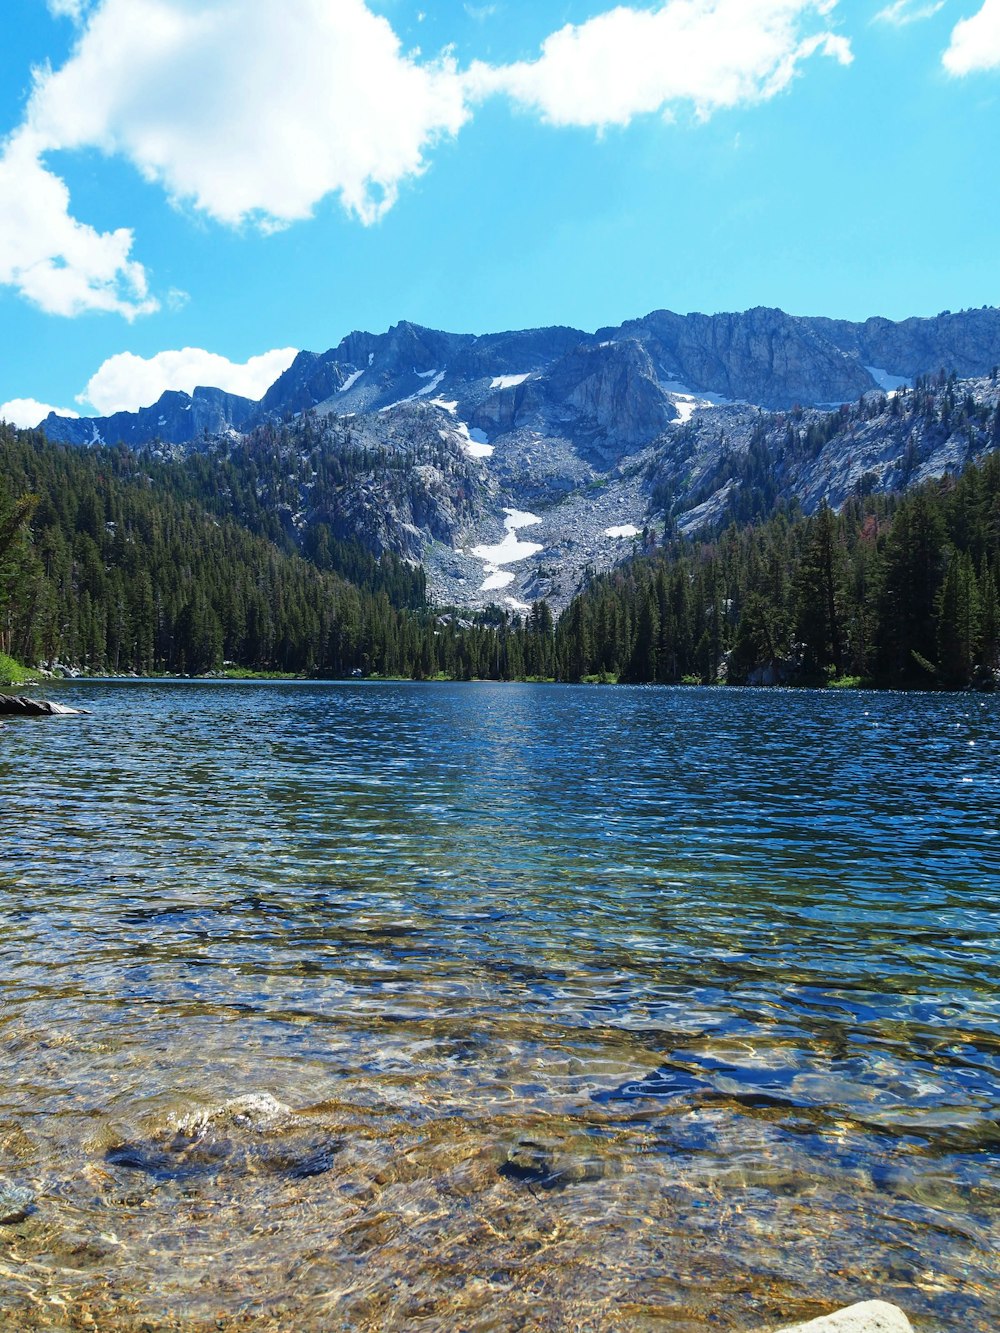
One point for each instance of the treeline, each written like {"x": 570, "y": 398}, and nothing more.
{"x": 117, "y": 562}
{"x": 900, "y": 592}
{"x": 108, "y": 563}
{"x": 113, "y": 562}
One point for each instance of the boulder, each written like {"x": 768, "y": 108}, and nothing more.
{"x": 868, "y": 1317}
{"x": 19, "y": 705}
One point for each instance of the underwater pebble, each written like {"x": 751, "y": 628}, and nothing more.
{"x": 15, "y": 1201}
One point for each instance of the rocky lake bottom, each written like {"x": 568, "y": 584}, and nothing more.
{"x": 496, "y": 1007}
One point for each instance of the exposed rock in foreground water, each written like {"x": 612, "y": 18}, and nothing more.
{"x": 868, "y": 1317}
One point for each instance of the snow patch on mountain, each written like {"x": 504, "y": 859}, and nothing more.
{"x": 474, "y": 442}
{"x": 428, "y": 389}
{"x": 687, "y": 402}
{"x": 890, "y": 383}
{"x": 520, "y": 518}
{"x": 509, "y": 381}
{"x": 478, "y": 442}
{"x": 434, "y": 384}
{"x": 350, "y": 382}
{"x": 624, "y": 530}
{"x": 500, "y": 578}
{"x": 508, "y": 552}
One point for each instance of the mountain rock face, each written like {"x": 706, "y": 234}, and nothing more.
{"x": 614, "y": 392}
{"x": 613, "y": 388}
{"x": 762, "y": 356}
{"x": 510, "y": 464}
{"x": 967, "y": 343}
{"x": 176, "y": 418}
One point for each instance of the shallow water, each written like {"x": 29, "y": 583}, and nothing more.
{"x": 637, "y": 1008}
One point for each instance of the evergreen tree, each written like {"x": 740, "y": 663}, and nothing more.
{"x": 958, "y": 621}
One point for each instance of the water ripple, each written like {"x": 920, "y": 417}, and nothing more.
{"x": 680, "y": 1003}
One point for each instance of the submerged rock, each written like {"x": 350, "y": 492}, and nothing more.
{"x": 536, "y": 1164}
{"x": 258, "y": 1112}
{"x": 19, "y": 705}
{"x": 15, "y": 1203}
{"x": 248, "y": 1136}
{"x": 868, "y": 1317}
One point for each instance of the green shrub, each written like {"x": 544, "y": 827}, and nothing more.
{"x": 11, "y": 672}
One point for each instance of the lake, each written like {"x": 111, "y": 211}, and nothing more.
{"x": 499, "y": 1006}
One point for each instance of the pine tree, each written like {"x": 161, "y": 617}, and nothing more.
{"x": 958, "y": 621}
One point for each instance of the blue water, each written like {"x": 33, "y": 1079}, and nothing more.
{"x": 607, "y": 1007}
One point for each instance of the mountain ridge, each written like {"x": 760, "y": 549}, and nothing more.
{"x": 762, "y": 355}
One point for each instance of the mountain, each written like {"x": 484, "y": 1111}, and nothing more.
{"x": 175, "y": 418}
{"x": 762, "y": 356}
{"x": 509, "y": 465}
{"x": 967, "y": 342}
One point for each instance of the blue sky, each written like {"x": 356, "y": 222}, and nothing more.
{"x": 190, "y": 190}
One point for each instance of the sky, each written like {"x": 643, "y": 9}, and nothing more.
{"x": 193, "y": 190}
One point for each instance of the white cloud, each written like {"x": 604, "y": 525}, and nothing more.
{"x": 975, "y": 42}
{"x": 28, "y": 412}
{"x": 63, "y": 266}
{"x": 713, "y": 54}
{"x": 252, "y": 111}
{"x": 68, "y": 9}
{"x": 903, "y": 12}
{"x": 127, "y": 382}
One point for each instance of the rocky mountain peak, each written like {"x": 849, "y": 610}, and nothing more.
{"x": 439, "y": 447}
{"x": 614, "y": 389}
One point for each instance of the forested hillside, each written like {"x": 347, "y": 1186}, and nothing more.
{"x": 127, "y": 568}
{"x": 119, "y": 562}
{"x": 897, "y": 591}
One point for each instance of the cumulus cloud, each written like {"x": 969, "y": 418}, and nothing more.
{"x": 63, "y": 266}
{"x": 903, "y": 12}
{"x": 247, "y": 112}
{"x": 252, "y": 111}
{"x": 127, "y": 382}
{"x": 29, "y": 412}
{"x": 975, "y": 42}
{"x": 712, "y": 54}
